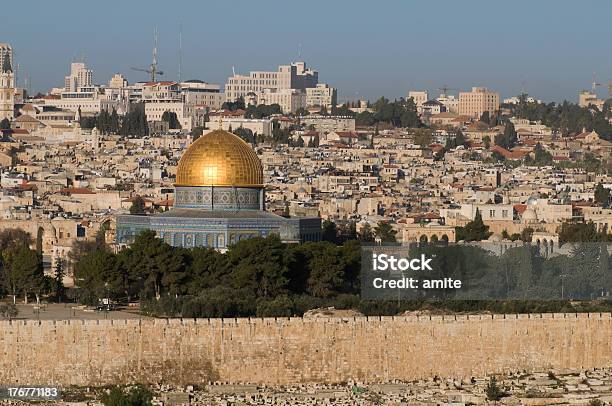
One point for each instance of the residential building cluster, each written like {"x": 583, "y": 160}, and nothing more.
{"x": 62, "y": 182}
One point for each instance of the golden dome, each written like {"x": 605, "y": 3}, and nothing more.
{"x": 219, "y": 158}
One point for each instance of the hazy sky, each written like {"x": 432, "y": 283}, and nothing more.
{"x": 364, "y": 48}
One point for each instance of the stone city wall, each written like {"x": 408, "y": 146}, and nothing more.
{"x": 296, "y": 350}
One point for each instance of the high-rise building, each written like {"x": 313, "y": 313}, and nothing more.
{"x": 294, "y": 76}
{"x": 322, "y": 95}
{"x": 6, "y": 53}
{"x": 587, "y": 97}
{"x": 118, "y": 81}
{"x": 79, "y": 77}
{"x": 202, "y": 94}
{"x": 7, "y": 83}
{"x": 476, "y": 102}
{"x": 418, "y": 96}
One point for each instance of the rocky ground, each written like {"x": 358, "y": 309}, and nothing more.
{"x": 592, "y": 387}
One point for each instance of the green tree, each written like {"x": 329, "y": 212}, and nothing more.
{"x": 8, "y": 310}
{"x": 485, "y": 118}
{"x": 385, "y": 232}
{"x": 301, "y": 112}
{"x": 135, "y": 396}
{"x": 508, "y": 139}
{"x": 134, "y": 123}
{"x": 526, "y": 234}
{"x": 60, "y": 289}
{"x": 602, "y": 195}
{"x": 27, "y": 273}
{"x": 423, "y": 137}
{"x": 365, "y": 118}
{"x": 246, "y": 134}
{"x": 329, "y": 232}
{"x": 493, "y": 391}
{"x": 259, "y": 266}
{"x": 171, "y": 118}
{"x": 581, "y": 232}
{"x": 206, "y": 268}
{"x": 541, "y": 156}
{"x": 155, "y": 265}
{"x": 98, "y": 275}
{"x": 326, "y": 271}
{"x": 475, "y": 230}
{"x": 262, "y": 110}
{"x": 486, "y": 141}
{"x": 455, "y": 141}
{"x": 365, "y": 233}
{"x": 138, "y": 206}
{"x": 196, "y": 132}
{"x": 82, "y": 248}
{"x": 5, "y": 124}
{"x": 11, "y": 239}
{"x": 114, "y": 122}
{"x": 348, "y": 231}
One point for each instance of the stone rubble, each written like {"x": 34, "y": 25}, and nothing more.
{"x": 531, "y": 389}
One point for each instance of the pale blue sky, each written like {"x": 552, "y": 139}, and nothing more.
{"x": 364, "y": 48}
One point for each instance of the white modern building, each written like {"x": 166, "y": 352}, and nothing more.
{"x": 322, "y": 95}
{"x": 79, "y": 77}
{"x": 289, "y": 100}
{"x": 257, "y": 126}
{"x": 202, "y": 94}
{"x": 293, "y": 76}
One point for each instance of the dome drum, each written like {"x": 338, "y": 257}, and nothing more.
{"x": 219, "y": 198}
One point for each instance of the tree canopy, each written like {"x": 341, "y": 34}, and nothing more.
{"x": 399, "y": 113}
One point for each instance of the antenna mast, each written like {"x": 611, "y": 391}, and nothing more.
{"x": 180, "y": 53}
{"x": 154, "y": 63}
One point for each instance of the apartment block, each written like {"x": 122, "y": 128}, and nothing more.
{"x": 479, "y": 100}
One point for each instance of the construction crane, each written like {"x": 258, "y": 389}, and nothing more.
{"x": 444, "y": 89}
{"x": 594, "y": 84}
{"x": 153, "y": 71}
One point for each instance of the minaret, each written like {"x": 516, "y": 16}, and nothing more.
{"x": 7, "y": 91}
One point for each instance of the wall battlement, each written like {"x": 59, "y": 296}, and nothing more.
{"x": 285, "y": 320}
{"x": 295, "y": 350}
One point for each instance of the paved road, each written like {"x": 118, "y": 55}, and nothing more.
{"x": 54, "y": 311}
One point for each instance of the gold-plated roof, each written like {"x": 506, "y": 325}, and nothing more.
{"x": 219, "y": 158}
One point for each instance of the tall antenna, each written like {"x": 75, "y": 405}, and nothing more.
{"x": 299, "y": 52}
{"x": 180, "y": 52}
{"x": 154, "y": 63}
{"x": 153, "y": 71}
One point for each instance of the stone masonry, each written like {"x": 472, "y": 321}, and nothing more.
{"x": 295, "y": 350}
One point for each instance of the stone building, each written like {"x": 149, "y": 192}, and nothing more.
{"x": 7, "y": 90}
{"x": 219, "y": 200}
